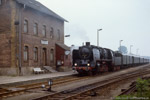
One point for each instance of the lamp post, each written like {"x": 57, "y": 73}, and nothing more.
{"x": 120, "y": 45}
{"x": 50, "y": 83}
{"x": 130, "y": 48}
{"x": 98, "y": 36}
{"x": 67, "y": 35}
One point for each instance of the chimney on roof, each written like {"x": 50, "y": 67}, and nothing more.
{"x": 87, "y": 43}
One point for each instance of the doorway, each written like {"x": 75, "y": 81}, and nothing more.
{"x": 44, "y": 57}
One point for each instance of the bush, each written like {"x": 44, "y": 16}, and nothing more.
{"x": 143, "y": 91}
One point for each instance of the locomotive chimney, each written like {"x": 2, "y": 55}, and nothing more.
{"x": 87, "y": 43}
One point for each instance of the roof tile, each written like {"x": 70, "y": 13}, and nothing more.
{"x": 38, "y": 6}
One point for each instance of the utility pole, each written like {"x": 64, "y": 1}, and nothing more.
{"x": 120, "y": 46}
{"x": 130, "y": 48}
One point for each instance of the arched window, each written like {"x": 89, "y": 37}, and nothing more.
{"x": 44, "y": 31}
{"x": 58, "y": 32}
{"x": 26, "y": 53}
{"x": 35, "y": 54}
{"x": 51, "y": 33}
{"x": 25, "y": 26}
{"x": 35, "y": 28}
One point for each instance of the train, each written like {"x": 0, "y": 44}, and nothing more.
{"x": 90, "y": 59}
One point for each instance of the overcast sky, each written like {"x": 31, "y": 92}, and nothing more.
{"x": 127, "y": 20}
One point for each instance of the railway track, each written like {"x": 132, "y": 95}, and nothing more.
{"x": 2, "y": 90}
{"x": 25, "y": 88}
{"x": 19, "y": 90}
{"x": 132, "y": 88}
{"x": 87, "y": 91}
{"x": 4, "y": 93}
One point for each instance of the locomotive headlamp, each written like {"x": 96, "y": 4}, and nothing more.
{"x": 75, "y": 64}
{"x": 88, "y": 64}
{"x": 98, "y": 64}
{"x": 104, "y": 62}
{"x": 62, "y": 62}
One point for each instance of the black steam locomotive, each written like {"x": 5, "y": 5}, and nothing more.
{"x": 93, "y": 59}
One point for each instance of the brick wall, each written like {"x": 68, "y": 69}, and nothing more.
{"x": 35, "y": 41}
{"x": 59, "y": 54}
{"x": 5, "y": 32}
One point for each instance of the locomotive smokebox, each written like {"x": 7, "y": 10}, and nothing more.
{"x": 87, "y": 43}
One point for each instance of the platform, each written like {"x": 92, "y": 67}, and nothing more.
{"x": 8, "y": 81}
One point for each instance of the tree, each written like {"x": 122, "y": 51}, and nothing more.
{"x": 123, "y": 49}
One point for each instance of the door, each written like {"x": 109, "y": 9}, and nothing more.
{"x": 52, "y": 57}
{"x": 44, "y": 57}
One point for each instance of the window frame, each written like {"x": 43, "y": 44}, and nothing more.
{"x": 26, "y": 54}
{"x": 25, "y": 25}
{"x": 66, "y": 57}
{"x": 35, "y": 54}
{"x": 35, "y": 29}
{"x": 58, "y": 34}
{"x": 44, "y": 30}
{"x": 52, "y": 33}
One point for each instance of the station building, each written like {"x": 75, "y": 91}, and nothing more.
{"x": 29, "y": 36}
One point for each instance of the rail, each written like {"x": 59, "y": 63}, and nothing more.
{"x": 86, "y": 91}
{"x": 22, "y": 89}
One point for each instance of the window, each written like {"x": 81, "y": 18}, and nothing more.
{"x": 35, "y": 28}
{"x": 58, "y": 32}
{"x": 62, "y": 57}
{"x": 66, "y": 56}
{"x": 44, "y": 31}
{"x": 35, "y": 54}
{"x": 25, "y": 26}
{"x": 26, "y": 53}
{"x": 52, "y": 55}
{"x": 51, "y": 33}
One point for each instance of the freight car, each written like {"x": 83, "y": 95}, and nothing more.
{"x": 93, "y": 59}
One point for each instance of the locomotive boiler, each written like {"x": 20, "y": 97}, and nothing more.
{"x": 92, "y": 59}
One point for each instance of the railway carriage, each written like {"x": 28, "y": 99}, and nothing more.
{"x": 131, "y": 60}
{"x": 128, "y": 60}
{"x": 136, "y": 60}
{"x": 141, "y": 60}
{"x": 124, "y": 60}
{"x": 146, "y": 61}
{"x": 117, "y": 60}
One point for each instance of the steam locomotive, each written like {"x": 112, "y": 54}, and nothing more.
{"x": 93, "y": 59}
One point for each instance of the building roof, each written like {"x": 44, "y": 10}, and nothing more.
{"x": 38, "y": 6}
{"x": 63, "y": 46}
